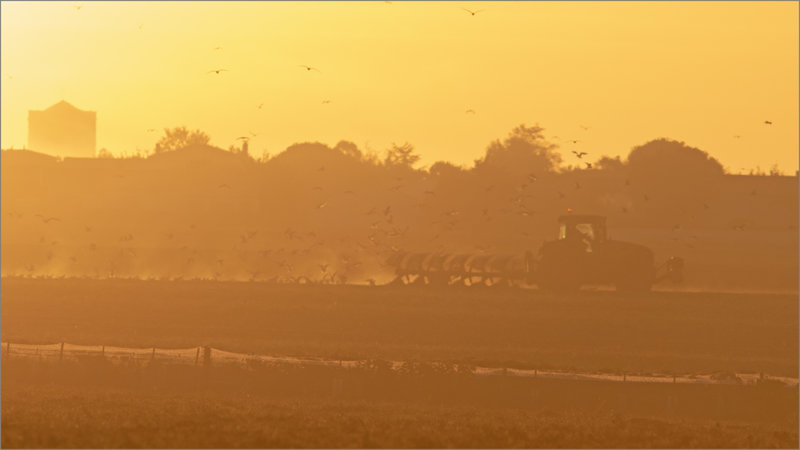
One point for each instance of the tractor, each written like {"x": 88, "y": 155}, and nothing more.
{"x": 581, "y": 255}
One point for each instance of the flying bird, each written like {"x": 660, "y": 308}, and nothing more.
{"x": 470, "y": 111}
{"x": 473, "y": 12}
{"x": 47, "y": 219}
{"x": 243, "y": 138}
{"x": 309, "y": 68}
{"x": 217, "y": 71}
{"x": 588, "y": 165}
{"x": 767, "y": 122}
{"x": 579, "y": 154}
{"x": 325, "y": 102}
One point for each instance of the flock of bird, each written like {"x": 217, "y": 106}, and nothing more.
{"x": 293, "y": 255}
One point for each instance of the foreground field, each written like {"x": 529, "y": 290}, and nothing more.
{"x": 591, "y": 331}
{"x": 93, "y": 404}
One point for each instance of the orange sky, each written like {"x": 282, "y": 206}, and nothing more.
{"x": 701, "y": 72}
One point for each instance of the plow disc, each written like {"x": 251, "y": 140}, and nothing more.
{"x": 444, "y": 269}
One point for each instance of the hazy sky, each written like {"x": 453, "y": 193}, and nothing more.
{"x": 701, "y": 72}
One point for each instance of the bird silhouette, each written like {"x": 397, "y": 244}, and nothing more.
{"x": 260, "y": 105}
{"x": 217, "y": 71}
{"x": 243, "y": 138}
{"x": 588, "y": 165}
{"x": 767, "y": 122}
{"x": 584, "y": 127}
{"x": 323, "y": 267}
{"x": 325, "y": 102}
{"x": 309, "y": 68}
{"x": 217, "y": 48}
{"x": 470, "y": 111}
{"x": 580, "y": 155}
{"x": 48, "y": 219}
{"x": 472, "y": 12}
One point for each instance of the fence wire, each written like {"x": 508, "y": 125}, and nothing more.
{"x": 209, "y": 356}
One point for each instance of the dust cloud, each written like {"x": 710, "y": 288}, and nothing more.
{"x": 317, "y": 213}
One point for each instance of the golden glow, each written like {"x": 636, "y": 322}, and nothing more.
{"x": 701, "y": 72}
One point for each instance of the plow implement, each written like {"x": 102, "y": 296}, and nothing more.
{"x": 444, "y": 269}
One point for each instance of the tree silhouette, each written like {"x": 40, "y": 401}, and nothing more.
{"x": 350, "y": 149}
{"x": 401, "y": 155}
{"x": 666, "y": 158}
{"x": 523, "y": 151}
{"x": 609, "y": 163}
{"x": 180, "y": 137}
{"x": 445, "y": 169}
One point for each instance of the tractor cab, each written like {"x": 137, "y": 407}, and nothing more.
{"x": 584, "y": 229}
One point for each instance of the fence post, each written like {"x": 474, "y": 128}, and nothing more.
{"x": 8, "y": 349}
{"x": 197, "y": 357}
{"x": 207, "y": 355}
{"x": 103, "y": 352}
{"x": 153, "y": 355}
{"x": 624, "y": 377}
{"x": 61, "y": 353}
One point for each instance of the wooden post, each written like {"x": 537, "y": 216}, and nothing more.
{"x": 197, "y": 357}
{"x": 153, "y": 355}
{"x": 61, "y": 353}
{"x": 8, "y": 349}
{"x": 535, "y": 373}
{"x": 674, "y": 379}
{"x": 207, "y": 355}
{"x": 624, "y": 377}
{"x": 103, "y": 352}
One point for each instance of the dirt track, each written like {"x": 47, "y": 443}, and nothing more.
{"x": 592, "y": 331}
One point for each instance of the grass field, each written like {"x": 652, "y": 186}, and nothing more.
{"x": 93, "y": 404}
{"x": 665, "y": 332}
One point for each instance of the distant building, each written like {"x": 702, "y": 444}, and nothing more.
{"x": 63, "y": 130}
